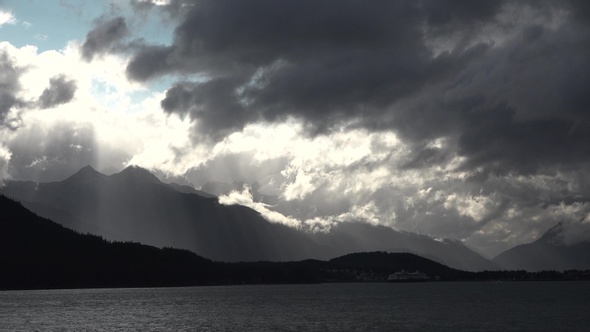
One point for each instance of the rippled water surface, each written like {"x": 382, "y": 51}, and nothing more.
{"x": 453, "y": 306}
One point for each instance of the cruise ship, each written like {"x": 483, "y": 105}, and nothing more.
{"x": 405, "y": 276}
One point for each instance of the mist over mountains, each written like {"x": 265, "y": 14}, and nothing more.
{"x": 37, "y": 253}
{"x": 552, "y": 251}
{"x": 134, "y": 205}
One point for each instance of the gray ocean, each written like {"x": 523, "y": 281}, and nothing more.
{"x": 436, "y": 306}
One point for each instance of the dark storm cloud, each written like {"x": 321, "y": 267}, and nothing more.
{"x": 321, "y": 61}
{"x": 104, "y": 37}
{"x": 60, "y": 91}
{"x": 9, "y": 87}
{"x": 517, "y": 108}
{"x": 440, "y": 13}
{"x": 198, "y": 101}
{"x": 151, "y": 61}
{"x": 580, "y": 9}
{"x": 516, "y": 104}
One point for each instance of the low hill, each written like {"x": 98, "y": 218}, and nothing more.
{"x": 385, "y": 263}
{"x": 349, "y": 237}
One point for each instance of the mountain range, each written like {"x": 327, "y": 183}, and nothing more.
{"x": 36, "y": 253}
{"x": 134, "y": 205}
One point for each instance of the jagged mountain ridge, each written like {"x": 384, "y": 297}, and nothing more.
{"x": 135, "y": 205}
{"x": 37, "y": 253}
{"x": 549, "y": 252}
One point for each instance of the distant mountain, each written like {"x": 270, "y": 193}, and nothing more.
{"x": 357, "y": 237}
{"x": 134, "y": 205}
{"x": 549, "y": 252}
{"x": 86, "y": 174}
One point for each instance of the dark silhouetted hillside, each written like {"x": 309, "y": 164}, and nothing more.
{"x": 385, "y": 263}
{"x": 38, "y": 253}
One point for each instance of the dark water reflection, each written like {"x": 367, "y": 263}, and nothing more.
{"x": 472, "y": 306}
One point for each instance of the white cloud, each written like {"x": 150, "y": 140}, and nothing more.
{"x": 6, "y": 17}
{"x": 120, "y": 129}
{"x": 244, "y": 198}
{"x": 157, "y": 2}
{"x": 477, "y": 207}
{"x": 356, "y": 175}
{"x": 367, "y": 213}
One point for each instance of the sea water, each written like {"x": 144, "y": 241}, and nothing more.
{"x": 435, "y": 306}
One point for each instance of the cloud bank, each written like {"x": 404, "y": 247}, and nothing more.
{"x": 499, "y": 87}
{"x": 454, "y": 119}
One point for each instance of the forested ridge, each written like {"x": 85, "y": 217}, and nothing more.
{"x": 36, "y": 253}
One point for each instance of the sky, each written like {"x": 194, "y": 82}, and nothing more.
{"x": 466, "y": 120}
